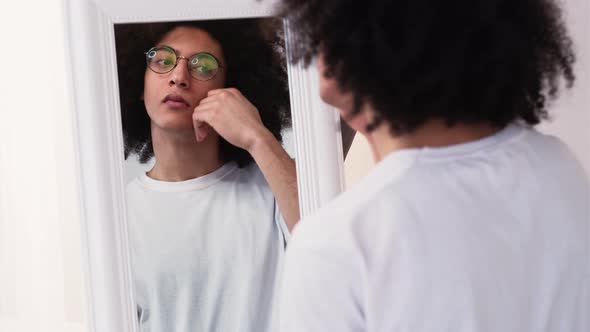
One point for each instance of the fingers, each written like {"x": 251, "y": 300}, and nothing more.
{"x": 208, "y": 100}
{"x": 202, "y": 129}
{"x": 205, "y": 112}
{"x": 227, "y": 92}
{"x": 221, "y": 96}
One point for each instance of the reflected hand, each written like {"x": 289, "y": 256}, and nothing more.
{"x": 231, "y": 115}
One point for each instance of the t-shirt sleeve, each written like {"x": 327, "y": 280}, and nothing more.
{"x": 320, "y": 291}
{"x": 281, "y": 224}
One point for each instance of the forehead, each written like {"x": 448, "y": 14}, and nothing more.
{"x": 190, "y": 40}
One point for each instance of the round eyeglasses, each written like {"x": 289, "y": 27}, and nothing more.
{"x": 162, "y": 59}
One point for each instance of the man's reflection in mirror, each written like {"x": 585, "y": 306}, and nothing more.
{"x": 208, "y": 224}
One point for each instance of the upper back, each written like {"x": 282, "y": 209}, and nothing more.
{"x": 492, "y": 235}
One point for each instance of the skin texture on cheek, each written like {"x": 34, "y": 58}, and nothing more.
{"x": 331, "y": 94}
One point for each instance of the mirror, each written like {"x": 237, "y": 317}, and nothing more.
{"x": 254, "y": 67}
{"x": 239, "y": 250}
{"x": 207, "y": 234}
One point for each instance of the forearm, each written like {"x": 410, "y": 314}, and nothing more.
{"x": 279, "y": 171}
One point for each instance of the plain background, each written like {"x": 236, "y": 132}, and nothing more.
{"x": 41, "y": 278}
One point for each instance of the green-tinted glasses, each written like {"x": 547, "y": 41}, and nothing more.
{"x": 162, "y": 59}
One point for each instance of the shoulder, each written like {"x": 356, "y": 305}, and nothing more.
{"x": 250, "y": 178}
{"x": 550, "y": 147}
{"x": 331, "y": 254}
{"x": 249, "y": 173}
{"x": 134, "y": 187}
{"x": 353, "y": 220}
{"x": 375, "y": 203}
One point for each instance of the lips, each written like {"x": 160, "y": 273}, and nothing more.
{"x": 175, "y": 101}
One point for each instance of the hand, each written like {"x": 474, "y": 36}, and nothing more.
{"x": 231, "y": 115}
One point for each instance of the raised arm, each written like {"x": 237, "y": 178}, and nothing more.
{"x": 233, "y": 117}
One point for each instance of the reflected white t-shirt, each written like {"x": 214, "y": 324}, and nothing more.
{"x": 206, "y": 252}
{"x": 487, "y": 236}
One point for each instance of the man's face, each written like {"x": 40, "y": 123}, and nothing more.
{"x": 329, "y": 90}
{"x": 343, "y": 101}
{"x": 170, "y": 98}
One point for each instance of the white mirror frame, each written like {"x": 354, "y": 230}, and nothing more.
{"x": 99, "y": 143}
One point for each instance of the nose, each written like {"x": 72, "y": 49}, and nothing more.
{"x": 180, "y": 75}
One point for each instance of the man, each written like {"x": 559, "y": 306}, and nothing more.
{"x": 471, "y": 220}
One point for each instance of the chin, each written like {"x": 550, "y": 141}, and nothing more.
{"x": 175, "y": 122}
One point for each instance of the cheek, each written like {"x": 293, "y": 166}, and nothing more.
{"x": 324, "y": 89}
{"x": 328, "y": 88}
{"x": 328, "y": 91}
{"x": 216, "y": 83}
{"x": 149, "y": 95}
{"x": 199, "y": 89}
{"x": 220, "y": 79}
{"x": 331, "y": 94}
{"x": 343, "y": 102}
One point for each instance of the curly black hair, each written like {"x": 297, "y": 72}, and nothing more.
{"x": 463, "y": 61}
{"x": 254, "y": 51}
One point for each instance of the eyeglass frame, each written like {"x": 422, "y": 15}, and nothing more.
{"x": 219, "y": 65}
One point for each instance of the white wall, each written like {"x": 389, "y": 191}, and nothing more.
{"x": 570, "y": 115}
{"x": 358, "y": 162}
{"x": 41, "y": 280}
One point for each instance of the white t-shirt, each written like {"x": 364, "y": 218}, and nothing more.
{"x": 206, "y": 252}
{"x": 488, "y": 236}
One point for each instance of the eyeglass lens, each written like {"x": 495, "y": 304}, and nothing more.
{"x": 202, "y": 66}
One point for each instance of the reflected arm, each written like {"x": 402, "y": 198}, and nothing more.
{"x": 279, "y": 171}
{"x": 235, "y": 119}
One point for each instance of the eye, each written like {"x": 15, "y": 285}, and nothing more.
{"x": 203, "y": 69}
{"x": 165, "y": 62}
{"x": 203, "y": 66}
{"x": 161, "y": 60}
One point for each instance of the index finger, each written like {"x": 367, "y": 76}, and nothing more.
{"x": 232, "y": 91}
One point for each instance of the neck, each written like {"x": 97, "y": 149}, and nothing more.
{"x": 434, "y": 133}
{"x": 179, "y": 157}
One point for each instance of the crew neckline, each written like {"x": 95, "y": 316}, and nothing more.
{"x": 511, "y": 131}
{"x": 397, "y": 162}
{"x": 198, "y": 183}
